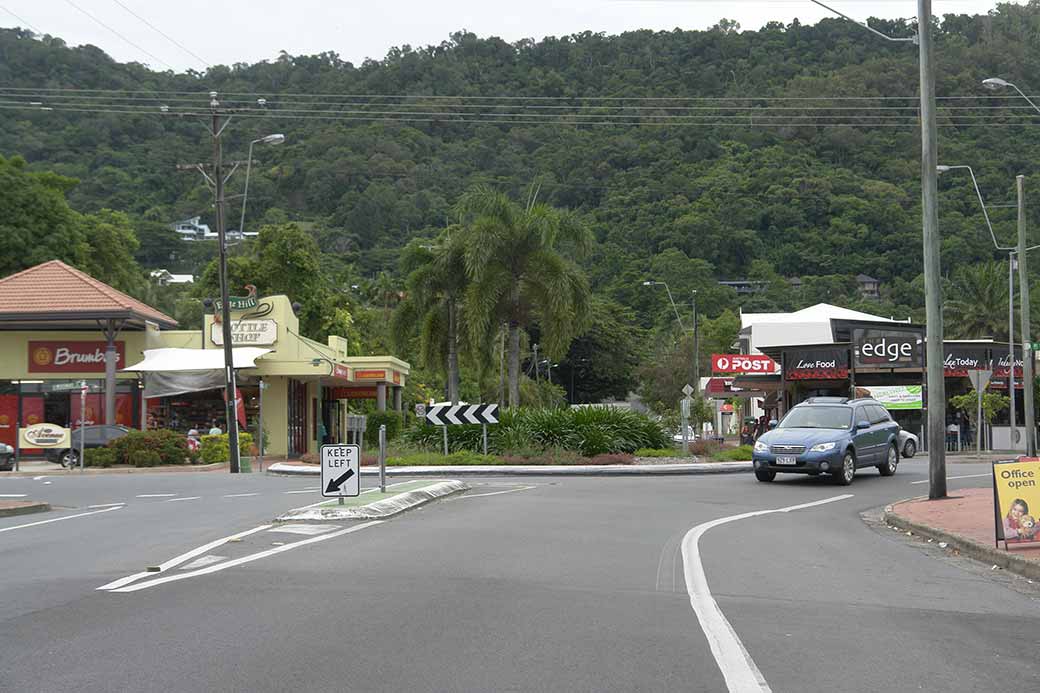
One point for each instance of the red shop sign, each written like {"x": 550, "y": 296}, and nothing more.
{"x": 353, "y": 393}
{"x": 743, "y": 363}
{"x": 72, "y": 357}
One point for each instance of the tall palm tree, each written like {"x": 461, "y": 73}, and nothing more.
{"x": 435, "y": 284}
{"x": 520, "y": 273}
{"x": 977, "y": 302}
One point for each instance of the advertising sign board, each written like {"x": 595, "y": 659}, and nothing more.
{"x": 1016, "y": 500}
{"x": 817, "y": 364}
{"x": 957, "y": 361}
{"x": 72, "y": 356}
{"x": 246, "y": 332}
{"x": 888, "y": 348}
{"x": 743, "y": 363}
{"x": 44, "y": 435}
{"x": 899, "y": 397}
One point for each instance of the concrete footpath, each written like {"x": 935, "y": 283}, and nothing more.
{"x": 965, "y": 523}
{"x": 532, "y": 470}
{"x": 19, "y": 507}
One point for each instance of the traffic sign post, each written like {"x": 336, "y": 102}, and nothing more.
{"x": 979, "y": 380}
{"x": 340, "y": 471}
{"x": 459, "y": 414}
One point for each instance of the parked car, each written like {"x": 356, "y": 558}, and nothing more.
{"x": 829, "y": 435}
{"x": 908, "y": 443}
{"x": 691, "y": 435}
{"x": 6, "y": 457}
{"x": 93, "y": 437}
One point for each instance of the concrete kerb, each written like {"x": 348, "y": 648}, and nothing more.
{"x": 968, "y": 547}
{"x": 533, "y": 470}
{"x": 55, "y": 470}
{"x": 12, "y": 508}
{"x": 381, "y": 509}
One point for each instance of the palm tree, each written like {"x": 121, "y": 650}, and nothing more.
{"x": 520, "y": 275}
{"x": 977, "y": 302}
{"x": 434, "y": 288}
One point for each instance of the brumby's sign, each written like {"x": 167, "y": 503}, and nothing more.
{"x": 72, "y": 357}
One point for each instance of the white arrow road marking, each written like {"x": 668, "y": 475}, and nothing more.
{"x": 176, "y": 561}
{"x": 245, "y": 559}
{"x": 966, "y": 476}
{"x": 309, "y": 530}
{"x": 59, "y": 519}
{"x": 202, "y": 562}
{"x": 495, "y": 493}
{"x": 738, "y": 669}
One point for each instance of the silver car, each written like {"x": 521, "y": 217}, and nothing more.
{"x": 908, "y": 443}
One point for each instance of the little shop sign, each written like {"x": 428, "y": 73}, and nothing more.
{"x": 743, "y": 363}
{"x": 72, "y": 357}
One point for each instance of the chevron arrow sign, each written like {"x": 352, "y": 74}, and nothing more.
{"x": 456, "y": 414}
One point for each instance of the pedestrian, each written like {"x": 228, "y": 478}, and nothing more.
{"x": 215, "y": 430}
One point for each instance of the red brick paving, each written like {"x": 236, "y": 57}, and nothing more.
{"x": 967, "y": 513}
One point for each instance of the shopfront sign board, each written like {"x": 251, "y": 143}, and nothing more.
{"x": 340, "y": 470}
{"x": 958, "y": 361}
{"x": 895, "y": 397}
{"x": 44, "y": 435}
{"x": 246, "y": 332}
{"x": 888, "y": 348}
{"x": 72, "y": 356}
{"x": 817, "y": 364}
{"x": 1016, "y": 501}
{"x": 744, "y": 364}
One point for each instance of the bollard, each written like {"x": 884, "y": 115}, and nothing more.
{"x": 382, "y": 458}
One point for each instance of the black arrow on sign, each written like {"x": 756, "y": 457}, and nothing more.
{"x": 334, "y": 484}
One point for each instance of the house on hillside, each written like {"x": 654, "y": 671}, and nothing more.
{"x": 868, "y": 286}
{"x": 745, "y": 287}
{"x": 193, "y": 229}
{"x": 164, "y": 277}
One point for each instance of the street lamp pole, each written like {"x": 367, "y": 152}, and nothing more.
{"x": 1011, "y": 346}
{"x": 671, "y": 300}
{"x": 696, "y": 346}
{"x": 268, "y": 139}
{"x": 1027, "y": 336}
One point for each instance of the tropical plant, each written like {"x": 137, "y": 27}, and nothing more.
{"x": 992, "y": 404}
{"x": 977, "y": 302}
{"x": 519, "y": 262}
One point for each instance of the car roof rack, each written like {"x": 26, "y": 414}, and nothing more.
{"x": 826, "y": 400}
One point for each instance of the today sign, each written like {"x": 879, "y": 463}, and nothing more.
{"x": 340, "y": 470}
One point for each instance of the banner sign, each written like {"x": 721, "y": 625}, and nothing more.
{"x": 72, "y": 357}
{"x": 957, "y": 361}
{"x": 894, "y": 396}
{"x": 1000, "y": 365}
{"x": 817, "y": 364}
{"x": 239, "y": 302}
{"x": 44, "y": 435}
{"x": 888, "y": 348}
{"x": 246, "y": 332}
{"x": 352, "y": 393}
{"x": 743, "y": 363}
{"x": 1016, "y": 500}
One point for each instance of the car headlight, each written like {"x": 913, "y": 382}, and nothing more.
{"x": 822, "y": 447}
{"x": 761, "y": 447}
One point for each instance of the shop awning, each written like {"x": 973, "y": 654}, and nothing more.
{"x": 173, "y": 359}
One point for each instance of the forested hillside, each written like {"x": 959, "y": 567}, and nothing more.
{"x": 788, "y": 152}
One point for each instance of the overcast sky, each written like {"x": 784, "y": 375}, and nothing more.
{"x": 228, "y": 31}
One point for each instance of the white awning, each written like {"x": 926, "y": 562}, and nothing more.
{"x": 172, "y": 359}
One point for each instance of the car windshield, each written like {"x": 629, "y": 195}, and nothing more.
{"x": 818, "y": 417}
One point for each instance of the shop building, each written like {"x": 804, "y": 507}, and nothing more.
{"x": 61, "y": 329}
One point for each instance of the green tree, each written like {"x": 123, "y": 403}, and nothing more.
{"x": 519, "y": 262}
{"x": 977, "y": 302}
{"x": 992, "y": 404}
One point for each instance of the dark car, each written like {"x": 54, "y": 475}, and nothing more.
{"x": 93, "y": 437}
{"x": 6, "y": 457}
{"x": 829, "y": 435}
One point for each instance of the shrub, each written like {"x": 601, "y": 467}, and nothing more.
{"x": 99, "y": 457}
{"x": 422, "y": 459}
{"x": 392, "y": 421}
{"x": 215, "y": 448}
{"x": 170, "y": 446}
{"x": 704, "y": 448}
{"x": 145, "y": 458}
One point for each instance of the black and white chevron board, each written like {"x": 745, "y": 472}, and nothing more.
{"x": 456, "y": 414}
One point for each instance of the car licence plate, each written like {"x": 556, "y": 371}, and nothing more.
{"x": 786, "y": 459}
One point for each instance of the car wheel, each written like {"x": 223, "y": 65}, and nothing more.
{"x": 845, "y": 475}
{"x": 69, "y": 459}
{"x": 888, "y": 467}
{"x": 764, "y": 475}
{"x": 910, "y": 449}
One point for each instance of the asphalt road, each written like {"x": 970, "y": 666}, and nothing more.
{"x": 575, "y": 584}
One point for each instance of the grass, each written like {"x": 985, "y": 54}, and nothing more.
{"x": 738, "y": 454}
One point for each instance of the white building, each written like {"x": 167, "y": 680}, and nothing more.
{"x": 164, "y": 277}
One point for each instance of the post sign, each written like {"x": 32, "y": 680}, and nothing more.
{"x": 888, "y": 348}
{"x": 1016, "y": 501}
{"x": 72, "y": 356}
{"x": 44, "y": 435}
{"x": 743, "y": 363}
{"x": 340, "y": 470}
{"x": 817, "y": 364}
{"x": 246, "y": 332}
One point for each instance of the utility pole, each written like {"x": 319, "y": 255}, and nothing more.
{"x": 1027, "y": 335}
{"x": 696, "y": 347}
{"x": 1012, "y": 429}
{"x": 932, "y": 268}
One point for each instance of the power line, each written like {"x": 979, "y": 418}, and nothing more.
{"x": 128, "y": 41}
{"x": 163, "y": 34}
{"x": 27, "y": 24}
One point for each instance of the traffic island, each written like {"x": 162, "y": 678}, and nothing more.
{"x": 965, "y": 523}
{"x": 14, "y": 507}
{"x": 375, "y": 505}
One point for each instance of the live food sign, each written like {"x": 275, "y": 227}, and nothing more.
{"x": 817, "y": 364}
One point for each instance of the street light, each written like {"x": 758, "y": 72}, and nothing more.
{"x": 670, "y": 300}
{"x": 996, "y": 84}
{"x": 276, "y": 138}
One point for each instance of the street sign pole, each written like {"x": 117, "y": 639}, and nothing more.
{"x": 82, "y": 420}
{"x": 382, "y": 458}
{"x": 484, "y": 435}
{"x": 979, "y": 380}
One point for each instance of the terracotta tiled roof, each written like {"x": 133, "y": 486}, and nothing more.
{"x": 54, "y": 287}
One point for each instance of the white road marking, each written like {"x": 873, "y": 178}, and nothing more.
{"x": 204, "y": 561}
{"x": 12, "y": 495}
{"x": 245, "y": 559}
{"x": 309, "y": 530}
{"x": 37, "y": 478}
{"x": 367, "y": 490}
{"x": 305, "y": 490}
{"x": 177, "y": 560}
{"x": 738, "y": 669}
{"x": 106, "y": 505}
{"x": 156, "y": 495}
{"x": 240, "y": 495}
{"x": 174, "y": 500}
{"x": 59, "y": 519}
{"x": 965, "y": 476}
{"x": 495, "y": 493}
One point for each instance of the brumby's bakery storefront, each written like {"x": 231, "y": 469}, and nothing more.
{"x": 61, "y": 329}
